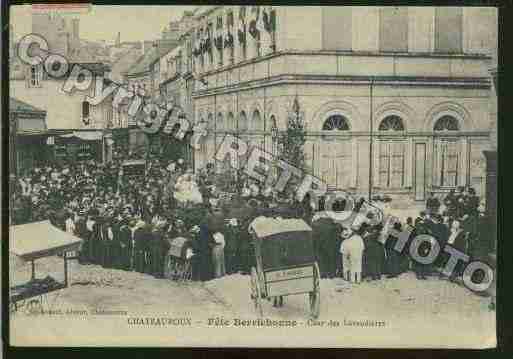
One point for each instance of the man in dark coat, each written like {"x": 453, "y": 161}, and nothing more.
{"x": 204, "y": 255}
{"x": 142, "y": 237}
{"x": 393, "y": 258}
{"x": 157, "y": 251}
{"x": 441, "y": 233}
{"x": 432, "y": 204}
{"x": 232, "y": 235}
{"x": 116, "y": 256}
{"x": 373, "y": 254}
{"x": 126, "y": 242}
{"x": 107, "y": 243}
{"x": 245, "y": 215}
{"x": 325, "y": 240}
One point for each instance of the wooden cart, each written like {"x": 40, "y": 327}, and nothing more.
{"x": 285, "y": 262}
{"x": 30, "y": 242}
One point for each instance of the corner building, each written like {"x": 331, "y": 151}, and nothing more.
{"x": 414, "y": 81}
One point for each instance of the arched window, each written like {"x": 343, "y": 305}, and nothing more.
{"x": 230, "y": 120}
{"x": 391, "y": 123}
{"x": 243, "y": 122}
{"x": 257, "y": 124}
{"x": 336, "y": 122}
{"x": 446, "y": 123}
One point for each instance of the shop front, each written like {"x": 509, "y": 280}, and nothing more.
{"x": 78, "y": 146}
{"x": 27, "y": 136}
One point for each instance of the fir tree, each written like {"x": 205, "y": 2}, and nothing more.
{"x": 292, "y": 141}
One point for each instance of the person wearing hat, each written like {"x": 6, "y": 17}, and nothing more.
{"x": 432, "y": 203}
{"x": 374, "y": 253}
{"x": 232, "y": 234}
{"x": 126, "y": 244}
{"x": 158, "y": 247}
{"x": 93, "y": 226}
{"x": 352, "y": 248}
{"x": 142, "y": 237}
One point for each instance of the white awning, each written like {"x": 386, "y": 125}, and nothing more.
{"x": 85, "y": 135}
{"x": 40, "y": 239}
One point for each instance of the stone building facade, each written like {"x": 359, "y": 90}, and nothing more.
{"x": 398, "y": 94}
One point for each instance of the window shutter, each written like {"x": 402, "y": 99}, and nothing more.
{"x": 382, "y": 176}
{"x": 397, "y": 165}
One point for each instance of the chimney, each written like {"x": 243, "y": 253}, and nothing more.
{"x": 118, "y": 39}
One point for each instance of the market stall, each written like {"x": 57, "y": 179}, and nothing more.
{"x": 33, "y": 241}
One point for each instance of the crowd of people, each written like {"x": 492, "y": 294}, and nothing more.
{"x": 368, "y": 250}
{"x": 129, "y": 222}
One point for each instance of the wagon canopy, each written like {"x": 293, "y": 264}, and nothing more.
{"x": 40, "y": 239}
{"x": 265, "y": 227}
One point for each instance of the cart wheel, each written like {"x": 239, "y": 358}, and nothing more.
{"x": 315, "y": 295}
{"x": 255, "y": 292}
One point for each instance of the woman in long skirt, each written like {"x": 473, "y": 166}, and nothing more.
{"x": 218, "y": 255}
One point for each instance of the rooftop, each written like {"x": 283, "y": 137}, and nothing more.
{"x": 144, "y": 62}
{"x": 20, "y": 106}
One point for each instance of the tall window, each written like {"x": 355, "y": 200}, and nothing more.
{"x": 243, "y": 122}
{"x": 337, "y": 26}
{"x": 448, "y": 151}
{"x": 393, "y": 29}
{"x": 231, "y": 122}
{"x": 35, "y": 76}
{"x": 335, "y": 153}
{"x": 391, "y": 153}
{"x": 448, "y": 29}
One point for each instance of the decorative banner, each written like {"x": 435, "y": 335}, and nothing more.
{"x": 269, "y": 17}
{"x": 242, "y": 26}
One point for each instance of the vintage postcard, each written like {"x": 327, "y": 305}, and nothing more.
{"x": 252, "y": 176}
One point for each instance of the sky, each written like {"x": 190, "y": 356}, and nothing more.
{"x": 135, "y": 23}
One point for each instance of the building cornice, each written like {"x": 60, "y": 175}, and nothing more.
{"x": 349, "y": 134}
{"x": 433, "y": 55}
{"x": 287, "y": 79}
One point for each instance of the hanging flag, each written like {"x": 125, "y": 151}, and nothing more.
{"x": 208, "y": 39}
{"x": 253, "y": 31}
{"x": 268, "y": 18}
{"x": 219, "y": 34}
{"x": 228, "y": 37}
{"x": 273, "y": 20}
{"x": 242, "y": 31}
{"x": 260, "y": 24}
